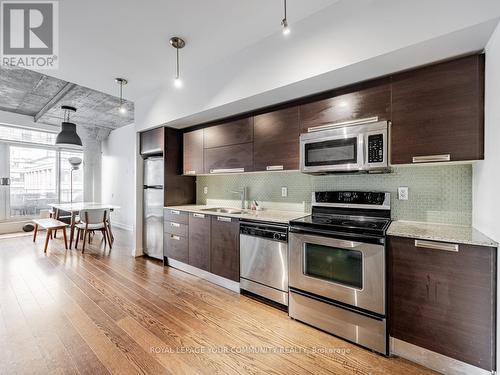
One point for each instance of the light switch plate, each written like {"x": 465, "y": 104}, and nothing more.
{"x": 284, "y": 191}
{"x": 403, "y": 193}
{"x": 205, "y": 190}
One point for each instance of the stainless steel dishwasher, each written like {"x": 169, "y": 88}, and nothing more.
{"x": 264, "y": 260}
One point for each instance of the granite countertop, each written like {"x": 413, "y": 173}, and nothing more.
{"x": 273, "y": 216}
{"x": 440, "y": 232}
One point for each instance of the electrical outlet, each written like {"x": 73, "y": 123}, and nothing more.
{"x": 403, "y": 193}
{"x": 205, "y": 190}
{"x": 284, "y": 191}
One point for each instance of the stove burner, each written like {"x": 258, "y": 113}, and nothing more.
{"x": 353, "y": 223}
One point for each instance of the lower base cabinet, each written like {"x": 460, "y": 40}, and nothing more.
{"x": 225, "y": 249}
{"x": 210, "y": 243}
{"x": 443, "y": 298}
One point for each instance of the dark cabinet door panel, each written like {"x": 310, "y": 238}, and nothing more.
{"x": 152, "y": 141}
{"x": 199, "y": 241}
{"x": 438, "y": 110}
{"x": 175, "y": 215}
{"x": 231, "y": 133}
{"x": 225, "y": 252}
{"x": 359, "y": 104}
{"x": 444, "y": 301}
{"x": 193, "y": 152}
{"x": 229, "y": 157}
{"x": 175, "y": 247}
{"x": 276, "y": 140}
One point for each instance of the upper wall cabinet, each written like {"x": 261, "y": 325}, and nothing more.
{"x": 374, "y": 101}
{"x": 152, "y": 141}
{"x": 276, "y": 140}
{"x": 438, "y": 112}
{"x": 193, "y": 152}
{"x": 231, "y": 133}
{"x": 229, "y": 147}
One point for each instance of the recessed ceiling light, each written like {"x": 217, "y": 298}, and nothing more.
{"x": 177, "y": 43}
{"x": 122, "y": 82}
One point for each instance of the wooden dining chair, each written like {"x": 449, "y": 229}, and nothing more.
{"x": 92, "y": 220}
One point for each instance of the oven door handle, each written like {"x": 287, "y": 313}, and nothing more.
{"x": 347, "y": 236}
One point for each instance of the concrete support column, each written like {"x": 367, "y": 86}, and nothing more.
{"x": 92, "y": 161}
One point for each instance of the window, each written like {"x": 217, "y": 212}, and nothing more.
{"x": 39, "y": 173}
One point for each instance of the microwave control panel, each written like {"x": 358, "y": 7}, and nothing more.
{"x": 375, "y": 148}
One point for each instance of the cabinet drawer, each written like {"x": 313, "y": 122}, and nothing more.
{"x": 175, "y": 228}
{"x": 175, "y": 216}
{"x": 199, "y": 241}
{"x": 175, "y": 247}
{"x": 442, "y": 298}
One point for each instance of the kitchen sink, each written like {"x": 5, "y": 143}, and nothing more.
{"x": 224, "y": 210}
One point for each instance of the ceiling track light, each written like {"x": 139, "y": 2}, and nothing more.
{"x": 122, "y": 82}
{"x": 284, "y": 21}
{"x": 177, "y": 43}
{"x": 68, "y": 137}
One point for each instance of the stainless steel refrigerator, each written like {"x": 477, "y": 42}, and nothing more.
{"x": 153, "y": 206}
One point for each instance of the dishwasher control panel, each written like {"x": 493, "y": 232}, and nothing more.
{"x": 271, "y": 232}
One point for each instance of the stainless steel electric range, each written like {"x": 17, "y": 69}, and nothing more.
{"x": 337, "y": 273}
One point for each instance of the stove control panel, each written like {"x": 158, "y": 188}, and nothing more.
{"x": 350, "y": 197}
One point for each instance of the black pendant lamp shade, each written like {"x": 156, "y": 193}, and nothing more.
{"x": 68, "y": 137}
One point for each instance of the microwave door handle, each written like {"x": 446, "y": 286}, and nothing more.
{"x": 361, "y": 141}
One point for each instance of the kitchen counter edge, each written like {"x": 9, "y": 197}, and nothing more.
{"x": 460, "y": 234}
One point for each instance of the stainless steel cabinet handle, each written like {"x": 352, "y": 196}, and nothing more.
{"x": 175, "y": 225}
{"x": 222, "y": 218}
{"x": 175, "y": 212}
{"x": 189, "y": 172}
{"x": 227, "y": 170}
{"x": 201, "y": 216}
{"x": 431, "y": 158}
{"x": 176, "y": 238}
{"x": 437, "y": 245}
{"x": 274, "y": 168}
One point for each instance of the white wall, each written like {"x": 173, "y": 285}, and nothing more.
{"x": 347, "y": 42}
{"x": 118, "y": 175}
{"x": 486, "y": 173}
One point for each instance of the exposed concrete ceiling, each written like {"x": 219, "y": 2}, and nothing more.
{"x": 34, "y": 94}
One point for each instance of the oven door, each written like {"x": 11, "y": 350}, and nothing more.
{"x": 344, "y": 271}
{"x": 332, "y": 151}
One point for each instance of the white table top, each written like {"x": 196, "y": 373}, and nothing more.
{"x": 75, "y": 207}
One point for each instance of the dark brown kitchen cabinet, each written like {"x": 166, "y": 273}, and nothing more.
{"x": 438, "y": 112}
{"x": 276, "y": 140}
{"x": 175, "y": 241}
{"x": 225, "y": 250}
{"x": 152, "y": 141}
{"x": 193, "y": 152}
{"x": 234, "y": 157}
{"x": 357, "y": 103}
{"x": 199, "y": 241}
{"x": 444, "y": 300}
{"x": 230, "y": 133}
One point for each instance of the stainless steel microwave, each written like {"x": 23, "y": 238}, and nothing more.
{"x": 345, "y": 148}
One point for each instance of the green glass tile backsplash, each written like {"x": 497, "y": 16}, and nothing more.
{"x": 440, "y": 194}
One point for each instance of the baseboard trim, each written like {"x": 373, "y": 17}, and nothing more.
{"x": 433, "y": 360}
{"x": 126, "y": 227}
{"x": 214, "y": 279}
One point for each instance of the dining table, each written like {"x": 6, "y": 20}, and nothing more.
{"x": 75, "y": 208}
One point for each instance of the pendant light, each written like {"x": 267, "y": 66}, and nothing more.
{"x": 122, "y": 82}
{"x": 177, "y": 43}
{"x": 284, "y": 21}
{"x": 68, "y": 136}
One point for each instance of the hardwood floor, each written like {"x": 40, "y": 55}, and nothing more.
{"x": 107, "y": 312}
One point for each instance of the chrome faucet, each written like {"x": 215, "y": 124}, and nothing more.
{"x": 243, "y": 196}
